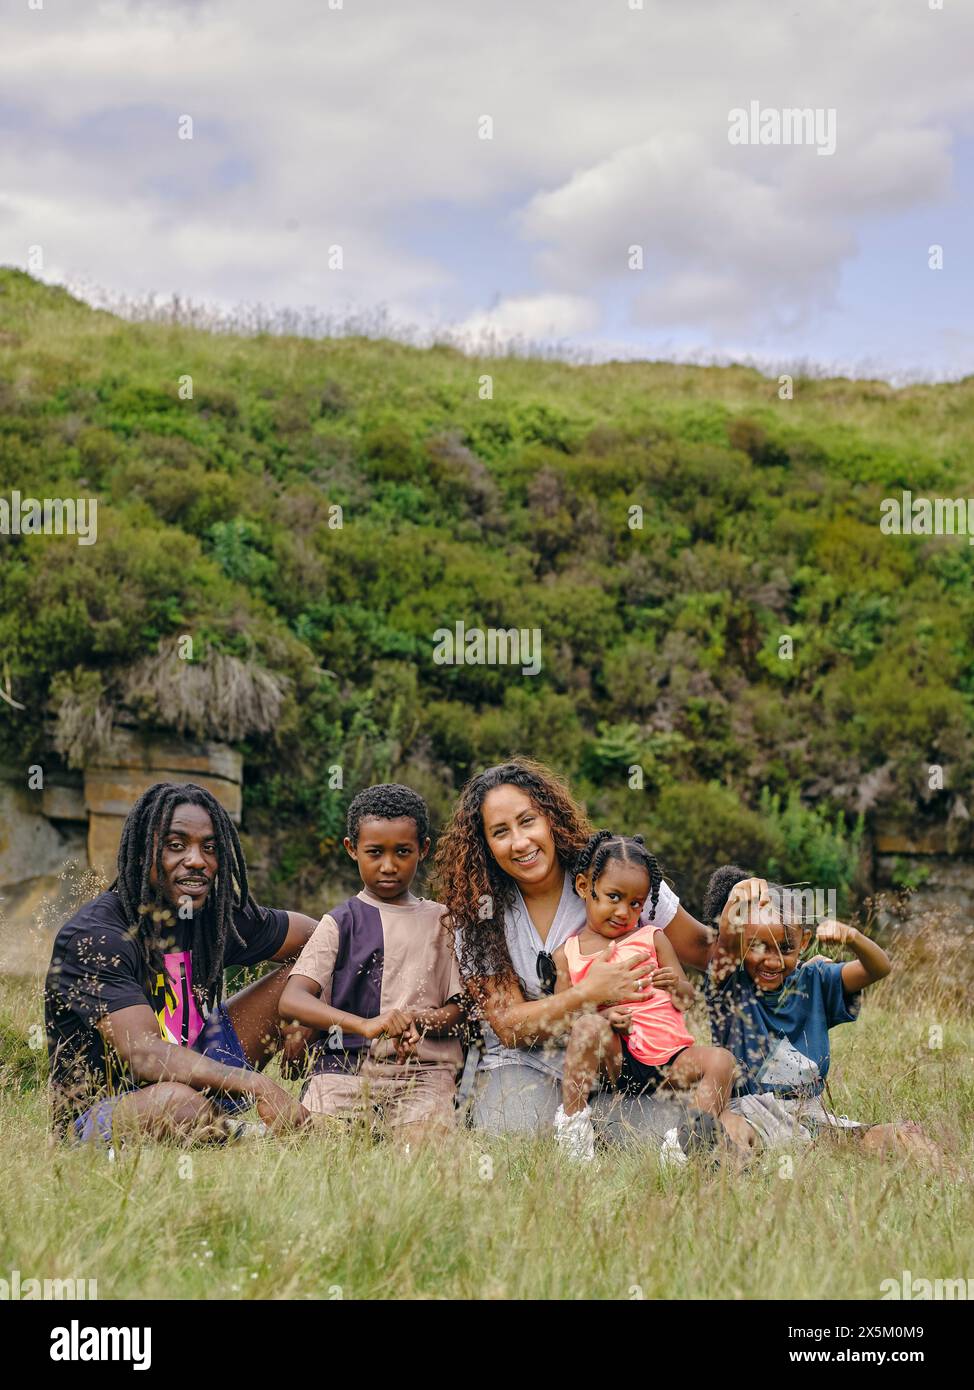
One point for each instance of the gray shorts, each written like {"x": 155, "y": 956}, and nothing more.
{"x": 781, "y": 1122}
{"x": 519, "y": 1099}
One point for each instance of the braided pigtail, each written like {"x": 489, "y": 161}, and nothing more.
{"x": 589, "y": 855}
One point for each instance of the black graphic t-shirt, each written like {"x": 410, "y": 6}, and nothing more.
{"x": 96, "y": 969}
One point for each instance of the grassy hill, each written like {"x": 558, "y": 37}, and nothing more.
{"x": 218, "y": 519}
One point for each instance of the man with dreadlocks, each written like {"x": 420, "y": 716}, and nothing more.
{"x": 139, "y": 1036}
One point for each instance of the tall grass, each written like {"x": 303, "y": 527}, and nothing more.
{"x": 340, "y": 1216}
{"x": 253, "y": 319}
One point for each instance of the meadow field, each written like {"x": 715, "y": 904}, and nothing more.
{"x": 344, "y": 1217}
{"x": 247, "y": 482}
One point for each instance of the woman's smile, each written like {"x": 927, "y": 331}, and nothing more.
{"x": 530, "y": 865}
{"x": 531, "y": 857}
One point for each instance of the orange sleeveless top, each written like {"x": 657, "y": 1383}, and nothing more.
{"x": 658, "y": 1030}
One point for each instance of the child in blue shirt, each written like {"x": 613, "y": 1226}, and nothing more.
{"x": 773, "y": 1011}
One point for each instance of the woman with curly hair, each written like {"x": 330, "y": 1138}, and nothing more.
{"x": 504, "y": 869}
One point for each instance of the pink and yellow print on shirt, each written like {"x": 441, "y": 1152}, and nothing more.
{"x": 180, "y": 1020}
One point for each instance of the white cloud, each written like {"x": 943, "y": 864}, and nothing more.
{"x": 316, "y": 126}
{"x": 531, "y": 318}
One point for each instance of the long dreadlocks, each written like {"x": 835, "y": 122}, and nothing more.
{"x": 140, "y": 849}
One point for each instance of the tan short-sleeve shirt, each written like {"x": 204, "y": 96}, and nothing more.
{"x": 409, "y": 952}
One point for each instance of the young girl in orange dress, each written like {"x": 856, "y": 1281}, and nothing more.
{"x": 642, "y": 1044}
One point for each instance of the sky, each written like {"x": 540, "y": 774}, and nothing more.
{"x": 361, "y": 124}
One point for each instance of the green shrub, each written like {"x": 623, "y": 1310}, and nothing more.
{"x": 694, "y": 827}
{"x": 816, "y": 846}
{"x": 661, "y": 646}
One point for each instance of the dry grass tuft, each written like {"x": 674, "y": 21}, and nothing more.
{"x": 219, "y": 696}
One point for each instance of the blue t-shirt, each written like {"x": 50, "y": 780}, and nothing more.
{"x": 780, "y": 1039}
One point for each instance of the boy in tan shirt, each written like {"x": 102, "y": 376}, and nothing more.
{"x": 379, "y": 978}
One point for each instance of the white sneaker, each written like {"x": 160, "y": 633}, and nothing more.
{"x": 671, "y": 1153}
{"x": 236, "y": 1129}
{"x": 574, "y": 1133}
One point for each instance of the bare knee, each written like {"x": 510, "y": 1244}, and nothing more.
{"x": 590, "y": 1043}
{"x": 723, "y": 1067}
{"x": 714, "y": 1065}
{"x": 181, "y": 1103}
{"x": 169, "y": 1107}
{"x": 590, "y": 1032}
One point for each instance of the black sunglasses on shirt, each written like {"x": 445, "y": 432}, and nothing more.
{"x": 547, "y": 972}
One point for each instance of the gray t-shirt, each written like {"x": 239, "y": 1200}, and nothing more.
{"x": 524, "y": 944}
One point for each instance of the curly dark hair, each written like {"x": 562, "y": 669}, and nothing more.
{"x": 718, "y": 889}
{"x": 467, "y": 878}
{"x": 725, "y": 879}
{"x": 388, "y": 801}
{"x": 629, "y": 849}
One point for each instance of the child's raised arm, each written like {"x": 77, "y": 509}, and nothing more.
{"x": 872, "y": 962}
{"x": 736, "y": 915}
